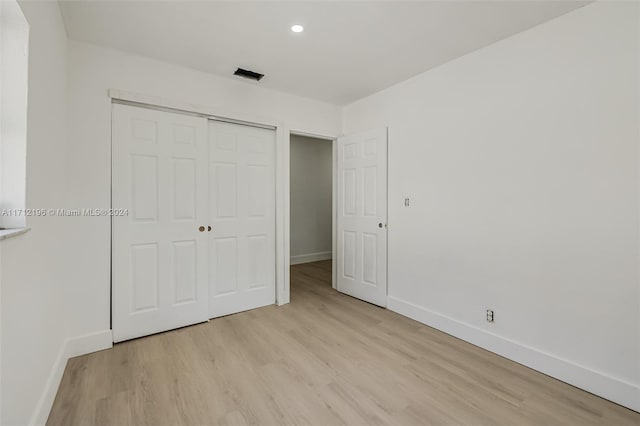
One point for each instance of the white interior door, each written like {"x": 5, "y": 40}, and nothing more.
{"x": 242, "y": 213}
{"x": 362, "y": 216}
{"x": 159, "y": 257}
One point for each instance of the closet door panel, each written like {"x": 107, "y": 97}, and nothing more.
{"x": 242, "y": 216}
{"x": 159, "y": 258}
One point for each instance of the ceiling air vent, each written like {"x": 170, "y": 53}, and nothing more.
{"x": 251, "y": 75}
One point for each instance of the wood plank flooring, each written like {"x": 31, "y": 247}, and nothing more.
{"x": 324, "y": 359}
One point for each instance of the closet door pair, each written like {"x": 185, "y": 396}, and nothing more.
{"x": 198, "y": 241}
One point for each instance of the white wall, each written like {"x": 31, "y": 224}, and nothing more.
{"x": 55, "y": 279}
{"x": 31, "y": 270}
{"x": 92, "y": 71}
{"x": 554, "y": 109}
{"x": 14, "y": 47}
{"x": 521, "y": 161}
{"x": 311, "y": 190}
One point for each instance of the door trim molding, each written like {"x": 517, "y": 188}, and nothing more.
{"x": 192, "y": 114}
{"x": 160, "y": 104}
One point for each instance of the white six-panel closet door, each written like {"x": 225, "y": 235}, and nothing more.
{"x": 159, "y": 173}
{"x": 242, "y": 213}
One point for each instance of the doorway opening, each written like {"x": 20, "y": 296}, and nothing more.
{"x": 312, "y": 215}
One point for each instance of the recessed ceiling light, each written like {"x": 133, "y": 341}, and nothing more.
{"x": 297, "y": 28}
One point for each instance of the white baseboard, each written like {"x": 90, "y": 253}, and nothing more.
{"x": 71, "y": 347}
{"x": 601, "y": 384}
{"x": 311, "y": 257}
{"x": 88, "y": 343}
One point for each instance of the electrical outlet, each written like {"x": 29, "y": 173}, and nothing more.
{"x": 489, "y": 315}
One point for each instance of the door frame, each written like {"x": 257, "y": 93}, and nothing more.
{"x": 334, "y": 206}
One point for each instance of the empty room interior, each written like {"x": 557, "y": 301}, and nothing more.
{"x": 319, "y": 212}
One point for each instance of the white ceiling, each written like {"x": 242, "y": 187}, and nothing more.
{"x": 348, "y": 50}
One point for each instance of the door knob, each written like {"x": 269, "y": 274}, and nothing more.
{"x": 209, "y": 228}
{"x": 201, "y": 229}
{"x": 380, "y": 225}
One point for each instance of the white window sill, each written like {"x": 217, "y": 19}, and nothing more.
{"x": 13, "y": 232}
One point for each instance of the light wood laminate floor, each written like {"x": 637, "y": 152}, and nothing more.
{"x": 324, "y": 359}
